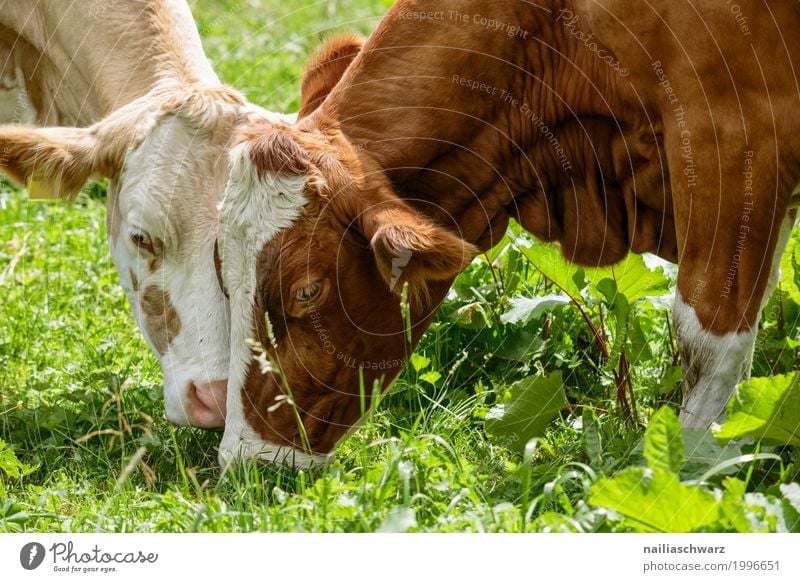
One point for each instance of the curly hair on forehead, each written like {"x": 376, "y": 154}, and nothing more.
{"x": 275, "y": 151}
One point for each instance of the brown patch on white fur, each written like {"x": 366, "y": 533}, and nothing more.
{"x": 159, "y": 317}
{"x": 134, "y": 280}
{"x": 218, "y": 269}
{"x": 158, "y": 255}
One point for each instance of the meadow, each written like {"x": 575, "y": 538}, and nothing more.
{"x": 543, "y": 398}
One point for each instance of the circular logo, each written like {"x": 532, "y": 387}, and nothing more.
{"x": 31, "y": 555}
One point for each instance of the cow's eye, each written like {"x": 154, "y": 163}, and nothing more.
{"x": 142, "y": 241}
{"x": 307, "y": 296}
{"x": 308, "y": 292}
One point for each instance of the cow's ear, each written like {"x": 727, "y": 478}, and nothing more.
{"x": 54, "y": 163}
{"x": 325, "y": 68}
{"x": 410, "y": 248}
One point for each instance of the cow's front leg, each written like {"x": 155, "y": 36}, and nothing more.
{"x": 714, "y": 362}
{"x": 731, "y": 238}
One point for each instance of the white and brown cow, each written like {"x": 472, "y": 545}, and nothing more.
{"x": 604, "y": 125}
{"x": 162, "y": 120}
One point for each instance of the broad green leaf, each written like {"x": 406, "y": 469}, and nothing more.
{"x": 638, "y": 346}
{"x": 656, "y": 501}
{"x": 430, "y": 377}
{"x": 513, "y": 268}
{"x": 579, "y": 278}
{"x": 765, "y": 408}
{"x": 519, "y": 345}
{"x": 524, "y": 309}
{"x": 620, "y": 311}
{"x": 672, "y": 376}
{"x": 663, "y": 441}
{"x": 608, "y": 289}
{"x": 703, "y": 453}
{"x": 634, "y": 279}
{"x": 499, "y": 249}
{"x": 533, "y": 404}
{"x": 12, "y": 516}
{"x": 791, "y": 506}
{"x": 790, "y": 344}
{"x": 591, "y": 438}
{"x": 791, "y": 492}
{"x": 419, "y": 362}
{"x": 790, "y": 268}
{"x": 734, "y": 511}
{"x": 10, "y": 465}
{"x": 548, "y": 260}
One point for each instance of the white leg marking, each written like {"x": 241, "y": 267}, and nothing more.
{"x": 712, "y": 366}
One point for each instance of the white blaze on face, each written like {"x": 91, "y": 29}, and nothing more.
{"x": 253, "y": 212}
{"x": 168, "y": 195}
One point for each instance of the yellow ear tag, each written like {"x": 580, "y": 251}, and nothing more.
{"x": 38, "y": 189}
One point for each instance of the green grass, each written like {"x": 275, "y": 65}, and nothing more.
{"x": 80, "y": 392}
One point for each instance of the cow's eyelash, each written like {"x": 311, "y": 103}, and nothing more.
{"x": 142, "y": 241}
{"x": 308, "y": 292}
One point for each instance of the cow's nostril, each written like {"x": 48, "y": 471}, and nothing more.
{"x": 207, "y": 404}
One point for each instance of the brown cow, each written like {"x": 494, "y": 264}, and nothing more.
{"x": 606, "y": 126}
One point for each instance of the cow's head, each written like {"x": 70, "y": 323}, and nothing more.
{"x": 317, "y": 248}
{"x": 166, "y": 156}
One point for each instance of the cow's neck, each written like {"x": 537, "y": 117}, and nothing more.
{"x": 94, "y": 57}
{"x": 488, "y": 111}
